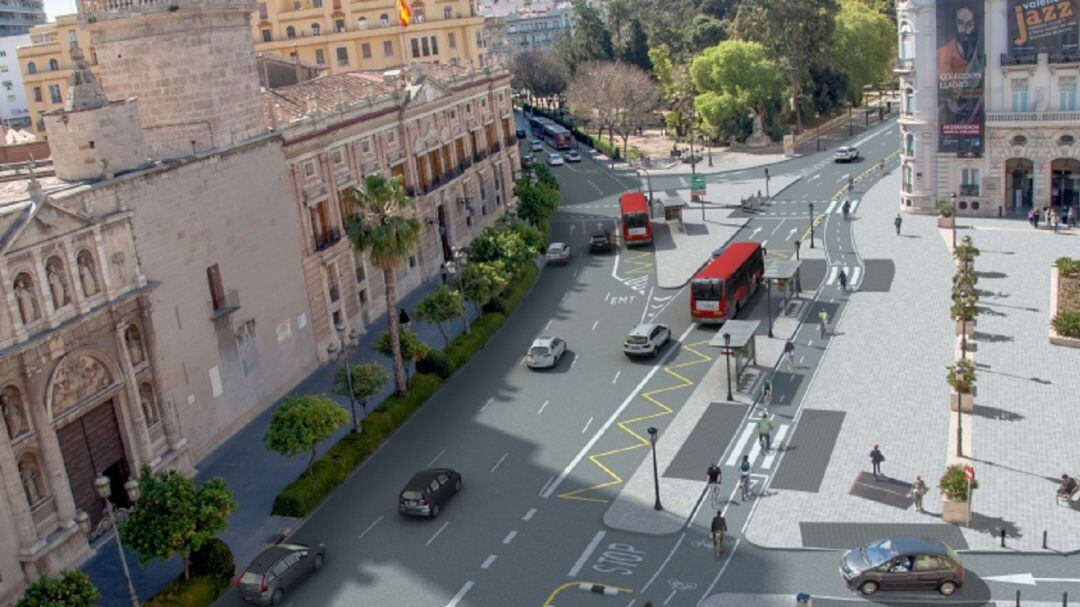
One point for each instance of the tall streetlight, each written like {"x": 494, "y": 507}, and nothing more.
{"x": 766, "y": 182}
{"x": 811, "y": 226}
{"x": 333, "y": 350}
{"x": 768, "y": 301}
{"x": 817, "y": 135}
{"x": 104, "y": 490}
{"x": 953, "y": 196}
{"x": 959, "y": 414}
{"x": 727, "y": 355}
{"x": 461, "y": 257}
{"x": 656, "y": 478}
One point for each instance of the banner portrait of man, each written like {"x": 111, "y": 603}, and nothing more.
{"x": 960, "y": 62}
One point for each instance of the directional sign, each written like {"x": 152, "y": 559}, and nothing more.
{"x": 697, "y": 185}
{"x": 969, "y": 472}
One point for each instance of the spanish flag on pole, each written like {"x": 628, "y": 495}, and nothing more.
{"x": 404, "y": 12}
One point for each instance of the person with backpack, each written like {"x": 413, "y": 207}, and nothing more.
{"x": 712, "y": 481}
{"x": 876, "y": 459}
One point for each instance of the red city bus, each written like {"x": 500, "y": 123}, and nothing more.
{"x": 634, "y": 211}
{"x": 720, "y": 289}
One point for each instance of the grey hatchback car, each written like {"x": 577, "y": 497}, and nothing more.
{"x": 428, "y": 491}
{"x": 277, "y": 570}
{"x": 902, "y": 563}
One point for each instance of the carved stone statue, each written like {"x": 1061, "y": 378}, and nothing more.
{"x": 76, "y": 380}
{"x": 28, "y": 308}
{"x": 57, "y": 286}
{"x": 12, "y": 409}
{"x": 28, "y": 475}
{"x": 758, "y": 138}
{"x": 134, "y": 345}
{"x": 87, "y": 276}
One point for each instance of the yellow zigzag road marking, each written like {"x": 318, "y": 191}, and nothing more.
{"x": 643, "y": 266}
{"x": 625, "y": 425}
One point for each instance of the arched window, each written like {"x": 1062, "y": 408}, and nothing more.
{"x": 54, "y": 65}
{"x": 384, "y": 20}
{"x": 31, "y": 68}
{"x": 14, "y": 412}
{"x": 362, "y": 23}
{"x": 417, "y": 12}
{"x": 290, "y": 32}
{"x": 32, "y": 481}
{"x": 907, "y": 42}
{"x": 315, "y": 27}
{"x": 909, "y": 145}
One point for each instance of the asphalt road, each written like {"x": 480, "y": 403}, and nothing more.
{"x": 527, "y": 526}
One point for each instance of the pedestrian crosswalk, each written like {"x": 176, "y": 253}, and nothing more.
{"x": 749, "y": 435}
{"x": 853, "y": 273}
{"x": 637, "y": 283}
{"x": 796, "y": 208}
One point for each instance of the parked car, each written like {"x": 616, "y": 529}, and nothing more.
{"x": 278, "y": 570}
{"x": 846, "y": 153}
{"x": 903, "y": 563}
{"x": 535, "y": 145}
{"x": 557, "y": 252}
{"x": 554, "y": 159}
{"x": 646, "y": 340}
{"x": 526, "y": 160}
{"x": 545, "y": 352}
{"x": 428, "y": 491}
{"x": 601, "y": 240}
{"x": 520, "y": 133}
{"x": 573, "y": 156}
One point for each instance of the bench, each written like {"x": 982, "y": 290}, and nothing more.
{"x": 1070, "y": 495}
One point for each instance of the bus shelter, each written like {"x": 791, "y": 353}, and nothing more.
{"x": 672, "y": 207}
{"x": 784, "y": 274}
{"x": 737, "y": 336}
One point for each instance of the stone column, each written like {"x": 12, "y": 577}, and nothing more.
{"x": 104, "y": 273}
{"x": 52, "y": 459}
{"x": 173, "y": 431}
{"x": 16, "y": 496}
{"x": 17, "y": 327}
{"x": 44, "y": 293}
{"x": 1040, "y": 175}
{"x": 78, "y": 298}
{"x": 140, "y": 433}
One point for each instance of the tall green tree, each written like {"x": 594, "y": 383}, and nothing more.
{"x": 501, "y": 244}
{"x": 483, "y": 281}
{"x": 411, "y": 346}
{"x": 385, "y": 230}
{"x": 796, "y": 35}
{"x": 636, "y": 50}
{"x": 734, "y": 78}
{"x": 367, "y": 380}
{"x": 705, "y": 31}
{"x": 676, "y": 88}
{"x": 72, "y": 588}
{"x": 590, "y": 40}
{"x": 440, "y": 306}
{"x": 172, "y": 516}
{"x": 300, "y": 423}
{"x": 864, "y": 44}
{"x": 617, "y": 17}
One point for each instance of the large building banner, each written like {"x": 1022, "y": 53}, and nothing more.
{"x": 961, "y": 60}
{"x": 1042, "y": 25}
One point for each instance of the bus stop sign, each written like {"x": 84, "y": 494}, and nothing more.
{"x": 697, "y": 185}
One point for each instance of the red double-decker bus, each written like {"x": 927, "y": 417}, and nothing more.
{"x": 634, "y": 211}
{"x": 719, "y": 290}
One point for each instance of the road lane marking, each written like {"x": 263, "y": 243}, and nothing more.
{"x": 547, "y": 326}
{"x": 587, "y": 553}
{"x": 432, "y": 462}
{"x": 460, "y": 595}
{"x": 723, "y": 568}
{"x": 369, "y": 528}
{"x": 544, "y": 488}
{"x": 855, "y": 276}
{"x": 764, "y": 243}
{"x": 529, "y": 514}
{"x": 437, "y": 533}
{"x": 801, "y": 358}
{"x": 489, "y": 401}
{"x": 810, "y": 343}
{"x": 617, "y": 374}
{"x": 854, "y": 205}
{"x": 664, "y": 564}
{"x": 499, "y": 463}
{"x": 615, "y": 415}
{"x": 574, "y": 361}
{"x": 564, "y": 295}
{"x": 587, "y": 424}
{"x": 780, "y": 434}
{"x": 831, "y": 206}
{"x": 509, "y": 537}
{"x": 541, "y": 409}
{"x": 488, "y": 561}
{"x": 736, "y": 453}
{"x": 607, "y": 296}
{"x": 595, "y": 322}
{"x": 648, "y": 304}
{"x": 773, "y": 233}
{"x": 832, "y": 275}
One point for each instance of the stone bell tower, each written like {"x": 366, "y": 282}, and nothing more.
{"x": 190, "y": 63}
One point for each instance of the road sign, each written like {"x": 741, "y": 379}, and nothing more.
{"x": 697, "y": 185}
{"x": 969, "y": 472}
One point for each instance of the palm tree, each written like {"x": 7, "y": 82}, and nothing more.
{"x": 389, "y": 235}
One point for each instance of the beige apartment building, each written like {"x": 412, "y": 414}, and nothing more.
{"x": 340, "y": 35}
{"x": 448, "y": 130}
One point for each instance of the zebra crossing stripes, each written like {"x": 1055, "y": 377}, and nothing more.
{"x": 638, "y": 283}
{"x": 854, "y": 274}
{"x": 749, "y": 433}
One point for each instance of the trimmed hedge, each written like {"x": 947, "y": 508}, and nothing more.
{"x": 1067, "y": 266}
{"x": 213, "y": 559}
{"x": 196, "y": 592}
{"x": 435, "y": 363}
{"x": 1067, "y": 324}
{"x": 328, "y": 472}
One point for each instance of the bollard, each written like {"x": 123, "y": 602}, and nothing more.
{"x": 1017, "y": 598}
{"x": 1044, "y": 538}
{"x": 1065, "y": 599}
{"x": 802, "y": 600}
{"x": 1003, "y": 537}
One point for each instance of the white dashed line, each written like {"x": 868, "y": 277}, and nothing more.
{"x": 596, "y": 322}
{"x": 489, "y": 401}
{"x": 499, "y": 463}
{"x": 547, "y": 326}
{"x": 432, "y": 462}
{"x": 510, "y": 536}
{"x": 573, "y": 362}
{"x": 437, "y": 533}
{"x": 585, "y": 555}
{"x": 587, "y": 424}
{"x": 617, "y": 374}
{"x": 460, "y": 595}
{"x": 488, "y": 561}
{"x": 370, "y": 527}
{"x": 542, "y": 407}
{"x": 529, "y": 514}
{"x": 546, "y": 485}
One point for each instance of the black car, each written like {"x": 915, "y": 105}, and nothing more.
{"x": 277, "y": 570}
{"x": 520, "y": 133}
{"x": 902, "y": 563}
{"x": 428, "y": 491}
{"x": 601, "y": 240}
{"x": 526, "y": 160}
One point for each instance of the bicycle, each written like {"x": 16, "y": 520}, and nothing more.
{"x": 714, "y": 496}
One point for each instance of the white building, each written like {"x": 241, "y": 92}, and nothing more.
{"x": 989, "y": 117}
{"x": 526, "y": 31}
{"x": 13, "y": 109}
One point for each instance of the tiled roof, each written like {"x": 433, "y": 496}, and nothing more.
{"x": 323, "y": 94}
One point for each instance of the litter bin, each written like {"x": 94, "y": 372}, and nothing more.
{"x": 802, "y": 600}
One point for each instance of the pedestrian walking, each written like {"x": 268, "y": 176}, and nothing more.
{"x": 842, "y": 277}
{"x": 896, "y": 222}
{"x": 712, "y": 483}
{"x": 1066, "y": 217}
{"x": 876, "y": 457}
{"x": 789, "y": 355}
{"x": 823, "y": 323}
{"x": 918, "y": 490}
{"x": 766, "y": 395}
{"x": 764, "y": 432}
{"x": 1036, "y": 218}
{"x": 1031, "y": 218}
{"x": 403, "y": 318}
{"x": 744, "y": 476}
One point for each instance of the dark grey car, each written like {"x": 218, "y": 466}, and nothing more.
{"x": 428, "y": 491}
{"x": 277, "y": 570}
{"x": 902, "y": 563}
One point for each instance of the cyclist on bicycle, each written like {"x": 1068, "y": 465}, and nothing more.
{"x": 719, "y": 527}
{"x": 766, "y": 394}
{"x": 744, "y": 476}
{"x": 713, "y": 482}
{"x": 846, "y": 208}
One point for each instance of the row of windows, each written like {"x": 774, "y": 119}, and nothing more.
{"x": 1020, "y": 102}
{"x": 426, "y": 46}
{"x": 54, "y": 94}
{"x": 31, "y": 67}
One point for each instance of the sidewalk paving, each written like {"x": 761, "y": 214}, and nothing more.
{"x": 788, "y": 600}
{"x": 254, "y": 474}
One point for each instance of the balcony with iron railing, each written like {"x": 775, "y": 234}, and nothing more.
{"x": 1041, "y": 118}
{"x": 1019, "y": 58}
{"x": 1065, "y": 55}
{"x": 904, "y": 65}
{"x": 969, "y": 189}
{"x": 328, "y": 238}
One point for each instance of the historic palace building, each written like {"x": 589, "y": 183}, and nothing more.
{"x": 338, "y": 35}
{"x": 447, "y": 130}
{"x": 989, "y": 117}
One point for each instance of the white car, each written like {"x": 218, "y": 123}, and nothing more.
{"x": 535, "y": 145}
{"x": 558, "y": 252}
{"x": 573, "y": 156}
{"x": 846, "y": 153}
{"x": 545, "y": 352}
{"x": 554, "y": 159}
{"x": 646, "y": 340}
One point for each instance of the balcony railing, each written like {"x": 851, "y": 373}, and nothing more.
{"x": 904, "y": 65}
{"x": 327, "y": 239}
{"x": 1019, "y": 58}
{"x": 1065, "y": 55}
{"x": 1067, "y": 116}
{"x": 969, "y": 189}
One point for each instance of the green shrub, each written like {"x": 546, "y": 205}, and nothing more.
{"x": 954, "y": 485}
{"x": 1067, "y": 266}
{"x": 944, "y": 208}
{"x": 72, "y": 588}
{"x": 436, "y": 363}
{"x": 497, "y": 304}
{"x": 516, "y": 290}
{"x": 965, "y": 382}
{"x": 1067, "y": 324}
{"x": 196, "y": 592}
{"x": 213, "y": 559}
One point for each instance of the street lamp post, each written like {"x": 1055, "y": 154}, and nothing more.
{"x": 333, "y": 351}
{"x": 963, "y": 322}
{"x": 766, "y": 182}
{"x": 850, "y": 124}
{"x": 768, "y": 302}
{"x": 656, "y": 477}
{"x": 811, "y": 226}
{"x": 797, "y": 243}
{"x": 727, "y": 365}
{"x": 104, "y": 490}
{"x": 959, "y": 414}
{"x": 817, "y": 128}
{"x": 455, "y": 267}
{"x": 953, "y": 196}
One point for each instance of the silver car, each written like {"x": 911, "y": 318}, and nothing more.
{"x": 545, "y": 352}
{"x": 277, "y": 570}
{"x": 646, "y": 340}
{"x": 557, "y": 252}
